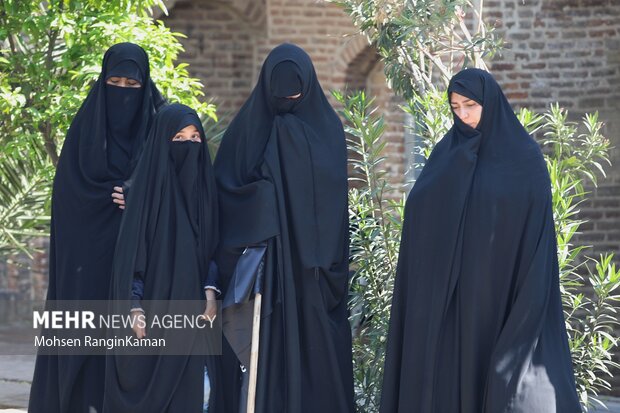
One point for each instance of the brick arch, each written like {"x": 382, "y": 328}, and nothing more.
{"x": 361, "y": 68}
{"x": 353, "y": 61}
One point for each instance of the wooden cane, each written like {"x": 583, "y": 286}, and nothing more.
{"x": 254, "y": 354}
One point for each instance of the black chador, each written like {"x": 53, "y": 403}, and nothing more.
{"x": 99, "y": 153}
{"x": 167, "y": 237}
{"x": 477, "y": 322}
{"x": 282, "y": 178}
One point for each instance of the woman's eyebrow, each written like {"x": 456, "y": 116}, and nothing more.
{"x": 464, "y": 101}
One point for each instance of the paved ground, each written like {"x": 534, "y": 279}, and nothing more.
{"x": 16, "y": 376}
{"x": 613, "y": 406}
{"x": 15, "y": 379}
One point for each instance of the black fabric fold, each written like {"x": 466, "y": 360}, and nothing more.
{"x": 476, "y": 321}
{"x": 282, "y": 178}
{"x": 169, "y": 233}
{"x": 85, "y": 221}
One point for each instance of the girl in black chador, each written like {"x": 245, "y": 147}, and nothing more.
{"x": 167, "y": 237}
{"x": 477, "y": 322}
{"x": 281, "y": 172}
{"x": 98, "y": 155}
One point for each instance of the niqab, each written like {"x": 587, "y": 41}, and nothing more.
{"x": 282, "y": 177}
{"x": 99, "y": 153}
{"x": 167, "y": 237}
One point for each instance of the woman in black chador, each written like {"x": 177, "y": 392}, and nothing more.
{"x": 282, "y": 178}
{"x": 167, "y": 237}
{"x": 98, "y": 155}
{"x": 477, "y": 322}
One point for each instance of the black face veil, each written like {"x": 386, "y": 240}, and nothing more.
{"x": 282, "y": 179}
{"x": 477, "y": 322}
{"x": 287, "y": 71}
{"x": 171, "y": 178}
{"x": 122, "y": 105}
{"x": 99, "y": 152}
{"x": 97, "y": 155}
{"x": 168, "y": 234}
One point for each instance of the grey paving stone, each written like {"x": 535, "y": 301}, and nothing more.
{"x": 13, "y": 394}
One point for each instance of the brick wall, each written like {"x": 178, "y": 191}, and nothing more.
{"x": 556, "y": 50}
{"x": 227, "y": 43}
{"x": 568, "y": 51}
{"x": 220, "y": 46}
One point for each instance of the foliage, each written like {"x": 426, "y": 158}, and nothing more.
{"x": 572, "y": 159}
{"x": 50, "y": 54}
{"x": 24, "y": 193}
{"x": 421, "y": 41}
{"x": 429, "y": 125}
{"x": 375, "y": 235}
{"x": 589, "y": 287}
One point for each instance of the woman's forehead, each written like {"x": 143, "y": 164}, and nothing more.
{"x": 457, "y": 97}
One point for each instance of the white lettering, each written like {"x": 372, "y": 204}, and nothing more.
{"x": 40, "y": 319}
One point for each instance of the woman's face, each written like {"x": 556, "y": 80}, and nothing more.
{"x": 188, "y": 133}
{"x": 123, "y": 82}
{"x": 469, "y": 111}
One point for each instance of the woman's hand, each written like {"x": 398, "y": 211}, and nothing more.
{"x": 137, "y": 324}
{"x": 118, "y": 197}
{"x": 211, "y": 308}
